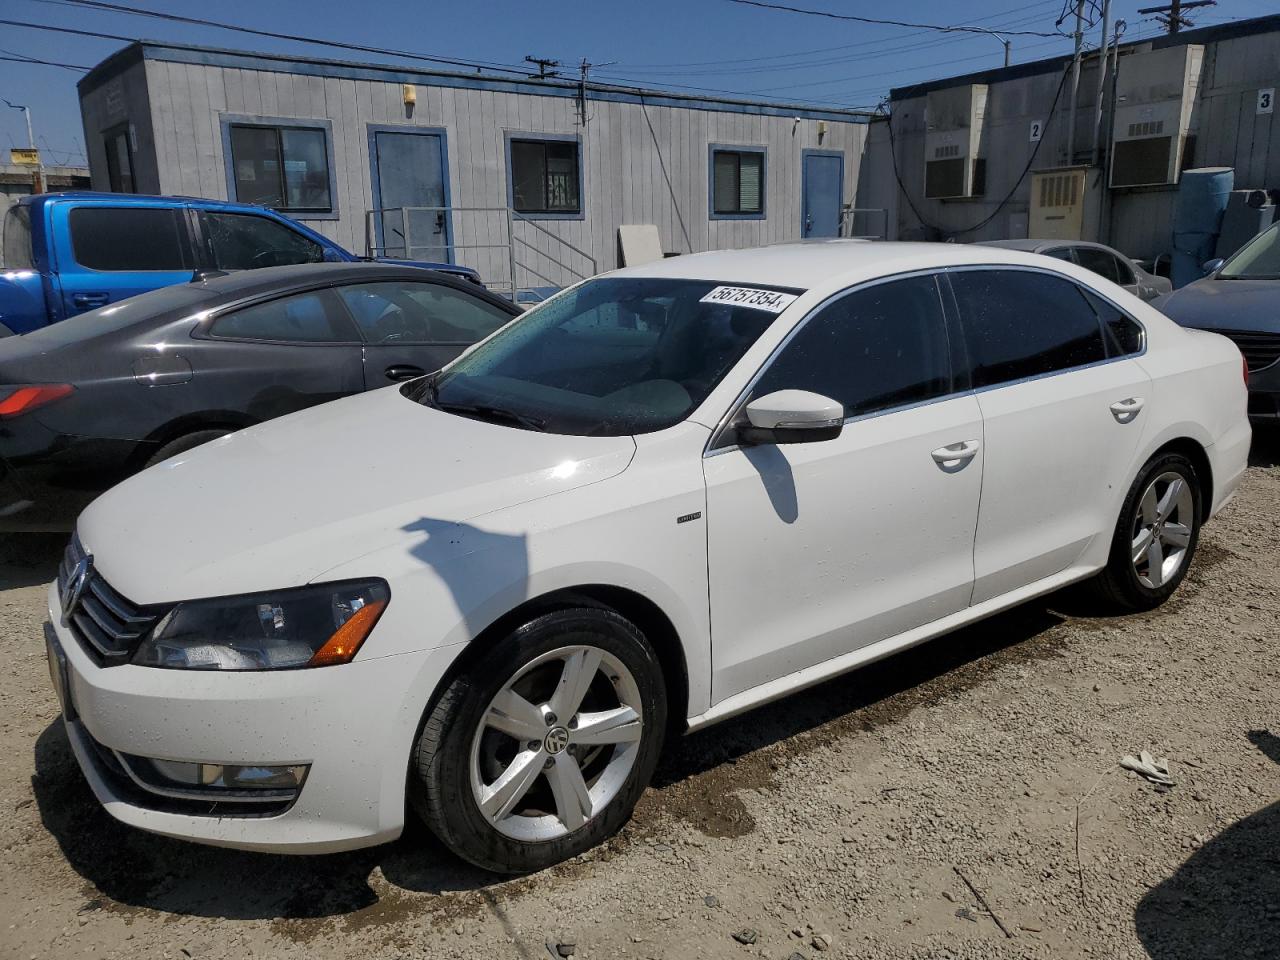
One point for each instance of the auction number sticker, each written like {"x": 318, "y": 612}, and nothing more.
{"x": 770, "y": 300}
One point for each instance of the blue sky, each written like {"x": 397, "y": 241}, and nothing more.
{"x": 677, "y": 44}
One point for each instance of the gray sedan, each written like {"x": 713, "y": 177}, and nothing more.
{"x": 1102, "y": 260}
{"x": 85, "y": 402}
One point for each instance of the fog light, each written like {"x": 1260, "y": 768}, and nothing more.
{"x": 219, "y": 776}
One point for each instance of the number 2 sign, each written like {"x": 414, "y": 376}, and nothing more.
{"x": 1266, "y": 100}
{"x": 1037, "y": 128}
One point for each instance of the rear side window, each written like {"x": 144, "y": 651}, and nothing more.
{"x": 1023, "y": 324}
{"x": 303, "y": 318}
{"x": 129, "y": 238}
{"x": 873, "y": 349}
{"x": 401, "y": 312}
{"x": 245, "y": 242}
{"x": 1102, "y": 263}
{"x": 17, "y": 239}
{"x": 1124, "y": 334}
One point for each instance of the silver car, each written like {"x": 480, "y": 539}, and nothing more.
{"x": 1102, "y": 260}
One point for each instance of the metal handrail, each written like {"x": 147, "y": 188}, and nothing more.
{"x": 595, "y": 267}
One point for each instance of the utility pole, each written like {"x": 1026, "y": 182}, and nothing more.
{"x": 1171, "y": 15}
{"x": 1075, "y": 84}
{"x": 544, "y": 66}
{"x": 1102, "y": 81}
{"x": 31, "y": 142}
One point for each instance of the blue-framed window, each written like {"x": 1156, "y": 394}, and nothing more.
{"x": 282, "y": 163}
{"x": 544, "y": 175}
{"x": 736, "y": 186}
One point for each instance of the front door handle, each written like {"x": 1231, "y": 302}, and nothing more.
{"x": 89, "y": 301}
{"x": 404, "y": 371}
{"x": 954, "y": 456}
{"x": 1126, "y": 411}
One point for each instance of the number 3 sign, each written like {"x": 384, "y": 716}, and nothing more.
{"x": 1266, "y": 100}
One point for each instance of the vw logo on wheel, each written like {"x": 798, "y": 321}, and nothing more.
{"x": 74, "y": 587}
{"x": 557, "y": 740}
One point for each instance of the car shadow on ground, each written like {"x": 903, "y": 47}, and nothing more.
{"x": 1265, "y": 451}
{"x": 136, "y": 870}
{"x": 1225, "y": 900}
{"x": 29, "y": 559}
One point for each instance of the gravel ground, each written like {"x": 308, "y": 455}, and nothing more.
{"x": 960, "y": 800}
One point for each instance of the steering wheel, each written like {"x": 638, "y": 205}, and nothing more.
{"x": 280, "y": 258}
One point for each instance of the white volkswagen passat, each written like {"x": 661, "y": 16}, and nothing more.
{"x": 663, "y": 497}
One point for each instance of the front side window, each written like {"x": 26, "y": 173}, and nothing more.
{"x": 310, "y": 317}
{"x": 119, "y": 160}
{"x": 1259, "y": 259}
{"x": 1019, "y": 323}
{"x": 545, "y": 176}
{"x": 611, "y": 357}
{"x": 737, "y": 182}
{"x": 877, "y": 348}
{"x": 129, "y": 238}
{"x": 398, "y": 311}
{"x": 1103, "y": 263}
{"x": 285, "y": 168}
{"x": 238, "y": 241}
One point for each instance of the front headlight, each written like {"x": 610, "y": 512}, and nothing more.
{"x": 308, "y": 627}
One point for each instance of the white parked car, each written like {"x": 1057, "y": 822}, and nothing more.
{"x": 665, "y": 496}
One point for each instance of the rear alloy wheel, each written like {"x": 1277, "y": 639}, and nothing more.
{"x": 541, "y": 749}
{"x": 1155, "y": 537}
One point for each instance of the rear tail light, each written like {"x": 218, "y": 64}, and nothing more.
{"x": 1244, "y": 365}
{"x": 15, "y": 401}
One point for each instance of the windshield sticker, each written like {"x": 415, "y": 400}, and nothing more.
{"x": 769, "y": 300}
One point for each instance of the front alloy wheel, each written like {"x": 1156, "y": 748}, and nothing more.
{"x": 540, "y": 747}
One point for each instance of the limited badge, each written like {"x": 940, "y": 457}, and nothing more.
{"x": 752, "y": 297}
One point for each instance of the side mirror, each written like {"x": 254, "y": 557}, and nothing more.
{"x": 792, "y": 416}
{"x": 1212, "y": 266}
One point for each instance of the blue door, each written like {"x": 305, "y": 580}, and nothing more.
{"x": 823, "y": 194}
{"x": 409, "y": 172}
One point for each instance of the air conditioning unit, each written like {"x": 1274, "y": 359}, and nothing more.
{"x": 1063, "y": 203}
{"x": 953, "y": 168}
{"x": 1155, "y": 95}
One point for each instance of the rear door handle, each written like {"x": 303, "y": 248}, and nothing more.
{"x": 955, "y": 455}
{"x": 1126, "y": 411}
{"x": 89, "y": 301}
{"x": 404, "y": 371}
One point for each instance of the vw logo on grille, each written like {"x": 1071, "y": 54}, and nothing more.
{"x": 74, "y": 587}
{"x": 557, "y": 740}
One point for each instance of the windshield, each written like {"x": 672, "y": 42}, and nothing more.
{"x": 610, "y": 357}
{"x": 1259, "y": 259}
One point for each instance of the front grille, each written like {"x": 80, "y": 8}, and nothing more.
{"x": 1260, "y": 350}
{"x": 106, "y": 624}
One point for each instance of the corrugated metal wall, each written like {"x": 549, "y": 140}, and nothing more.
{"x": 641, "y": 163}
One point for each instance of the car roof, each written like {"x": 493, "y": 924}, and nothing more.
{"x": 815, "y": 264}
{"x": 126, "y": 199}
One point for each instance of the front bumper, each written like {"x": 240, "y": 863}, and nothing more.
{"x": 354, "y": 724}
{"x": 1264, "y": 394}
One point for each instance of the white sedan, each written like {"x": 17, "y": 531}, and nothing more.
{"x": 664, "y": 497}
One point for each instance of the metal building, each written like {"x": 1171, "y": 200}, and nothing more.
{"x": 522, "y": 177}
{"x": 997, "y": 154}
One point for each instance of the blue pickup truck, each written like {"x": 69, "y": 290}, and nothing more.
{"x": 65, "y": 253}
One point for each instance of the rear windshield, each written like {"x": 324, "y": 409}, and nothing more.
{"x": 15, "y": 252}
{"x": 610, "y": 357}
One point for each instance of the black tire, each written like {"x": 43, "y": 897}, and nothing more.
{"x": 440, "y": 788}
{"x": 183, "y": 444}
{"x": 1118, "y": 586}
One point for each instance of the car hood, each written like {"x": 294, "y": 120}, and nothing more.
{"x": 1246, "y": 305}
{"x": 279, "y": 504}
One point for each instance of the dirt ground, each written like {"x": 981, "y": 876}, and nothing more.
{"x": 961, "y": 800}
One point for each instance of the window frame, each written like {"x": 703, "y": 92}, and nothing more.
{"x": 108, "y": 136}
{"x": 229, "y": 120}
{"x": 956, "y": 323}
{"x": 737, "y": 148}
{"x": 544, "y": 138}
{"x": 204, "y": 330}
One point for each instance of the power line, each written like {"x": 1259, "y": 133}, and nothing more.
{"x": 13, "y": 57}
{"x": 296, "y": 38}
{"x": 888, "y": 23}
